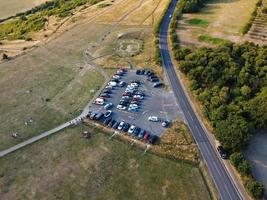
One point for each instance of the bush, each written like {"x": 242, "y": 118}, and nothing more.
{"x": 255, "y": 188}
{"x": 236, "y": 158}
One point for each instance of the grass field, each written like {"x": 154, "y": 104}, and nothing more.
{"x": 69, "y": 167}
{"x": 12, "y": 7}
{"x": 56, "y": 72}
{"x": 219, "y": 18}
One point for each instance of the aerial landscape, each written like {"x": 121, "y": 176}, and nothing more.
{"x": 133, "y": 99}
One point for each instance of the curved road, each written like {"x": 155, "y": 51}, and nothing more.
{"x": 225, "y": 185}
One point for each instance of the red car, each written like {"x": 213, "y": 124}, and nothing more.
{"x": 146, "y": 136}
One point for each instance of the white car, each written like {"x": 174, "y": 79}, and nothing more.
{"x": 170, "y": 16}
{"x": 120, "y": 107}
{"x": 138, "y": 96}
{"x": 121, "y": 125}
{"x": 133, "y": 105}
{"x": 134, "y": 84}
{"x": 116, "y": 77}
{"x": 112, "y": 83}
{"x": 131, "y": 129}
{"x": 153, "y": 118}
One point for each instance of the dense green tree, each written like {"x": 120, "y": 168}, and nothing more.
{"x": 233, "y": 133}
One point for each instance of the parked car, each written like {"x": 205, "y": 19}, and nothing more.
{"x": 141, "y": 133}
{"x": 121, "y": 107}
{"x": 112, "y": 83}
{"x": 111, "y": 123}
{"x": 115, "y": 125}
{"x": 153, "y": 139}
{"x": 107, "y": 91}
{"x": 131, "y": 129}
{"x": 165, "y": 123}
{"x": 108, "y": 113}
{"x": 108, "y": 105}
{"x": 98, "y": 116}
{"x": 223, "y": 153}
{"x": 106, "y": 121}
{"x": 126, "y": 127}
{"x": 92, "y": 116}
{"x": 138, "y": 72}
{"x": 116, "y": 77}
{"x": 153, "y": 118}
{"x": 157, "y": 84}
{"x": 99, "y": 101}
{"x": 136, "y": 131}
{"x": 105, "y": 95}
{"x": 122, "y": 84}
{"x": 121, "y": 125}
{"x": 146, "y": 136}
{"x": 109, "y": 87}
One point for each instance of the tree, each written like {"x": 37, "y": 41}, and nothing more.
{"x": 257, "y": 109}
{"x": 236, "y": 158}
{"x": 245, "y": 91}
{"x": 233, "y": 133}
{"x": 255, "y": 188}
{"x": 244, "y": 168}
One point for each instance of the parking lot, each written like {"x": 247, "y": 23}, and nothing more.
{"x": 155, "y": 101}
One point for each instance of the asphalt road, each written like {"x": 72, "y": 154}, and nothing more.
{"x": 225, "y": 185}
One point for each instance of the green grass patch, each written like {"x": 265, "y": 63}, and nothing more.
{"x": 198, "y": 22}
{"x": 34, "y": 19}
{"x": 212, "y": 40}
{"x": 65, "y": 166}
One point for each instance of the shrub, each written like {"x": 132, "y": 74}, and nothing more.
{"x": 255, "y": 188}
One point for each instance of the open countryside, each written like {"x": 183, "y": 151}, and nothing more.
{"x": 146, "y": 99}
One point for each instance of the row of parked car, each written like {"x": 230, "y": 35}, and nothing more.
{"x": 151, "y": 76}
{"x": 107, "y": 91}
{"x": 131, "y": 98}
{"x": 122, "y": 126}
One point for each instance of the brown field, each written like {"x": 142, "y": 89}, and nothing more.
{"x": 12, "y": 7}
{"x": 225, "y": 19}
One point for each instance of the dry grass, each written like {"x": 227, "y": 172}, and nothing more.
{"x": 12, "y": 7}
{"x": 177, "y": 143}
{"x": 52, "y": 71}
{"x": 226, "y": 19}
{"x": 69, "y": 167}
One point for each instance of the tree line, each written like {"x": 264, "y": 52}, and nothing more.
{"x": 230, "y": 82}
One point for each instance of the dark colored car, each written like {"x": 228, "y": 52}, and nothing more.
{"x": 126, "y": 127}
{"x": 138, "y": 72}
{"x": 92, "y": 116}
{"x": 141, "y": 133}
{"x": 105, "y": 95}
{"x": 153, "y": 139}
{"x": 223, "y": 153}
{"x": 114, "y": 80}
{"x": 157, "y": 84}
{"x": 142, "y": 72}
{"x": 106, "y": 91}
{"x": 110, "y": 124}
{"x": 98, "y": 116}
{"x": 106, "y": 121}
{"x": 135, "y": 81}
{"x": 115, "y": 125}
{"x": 154, "y": 80}
{"x": 136, "y": 131}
